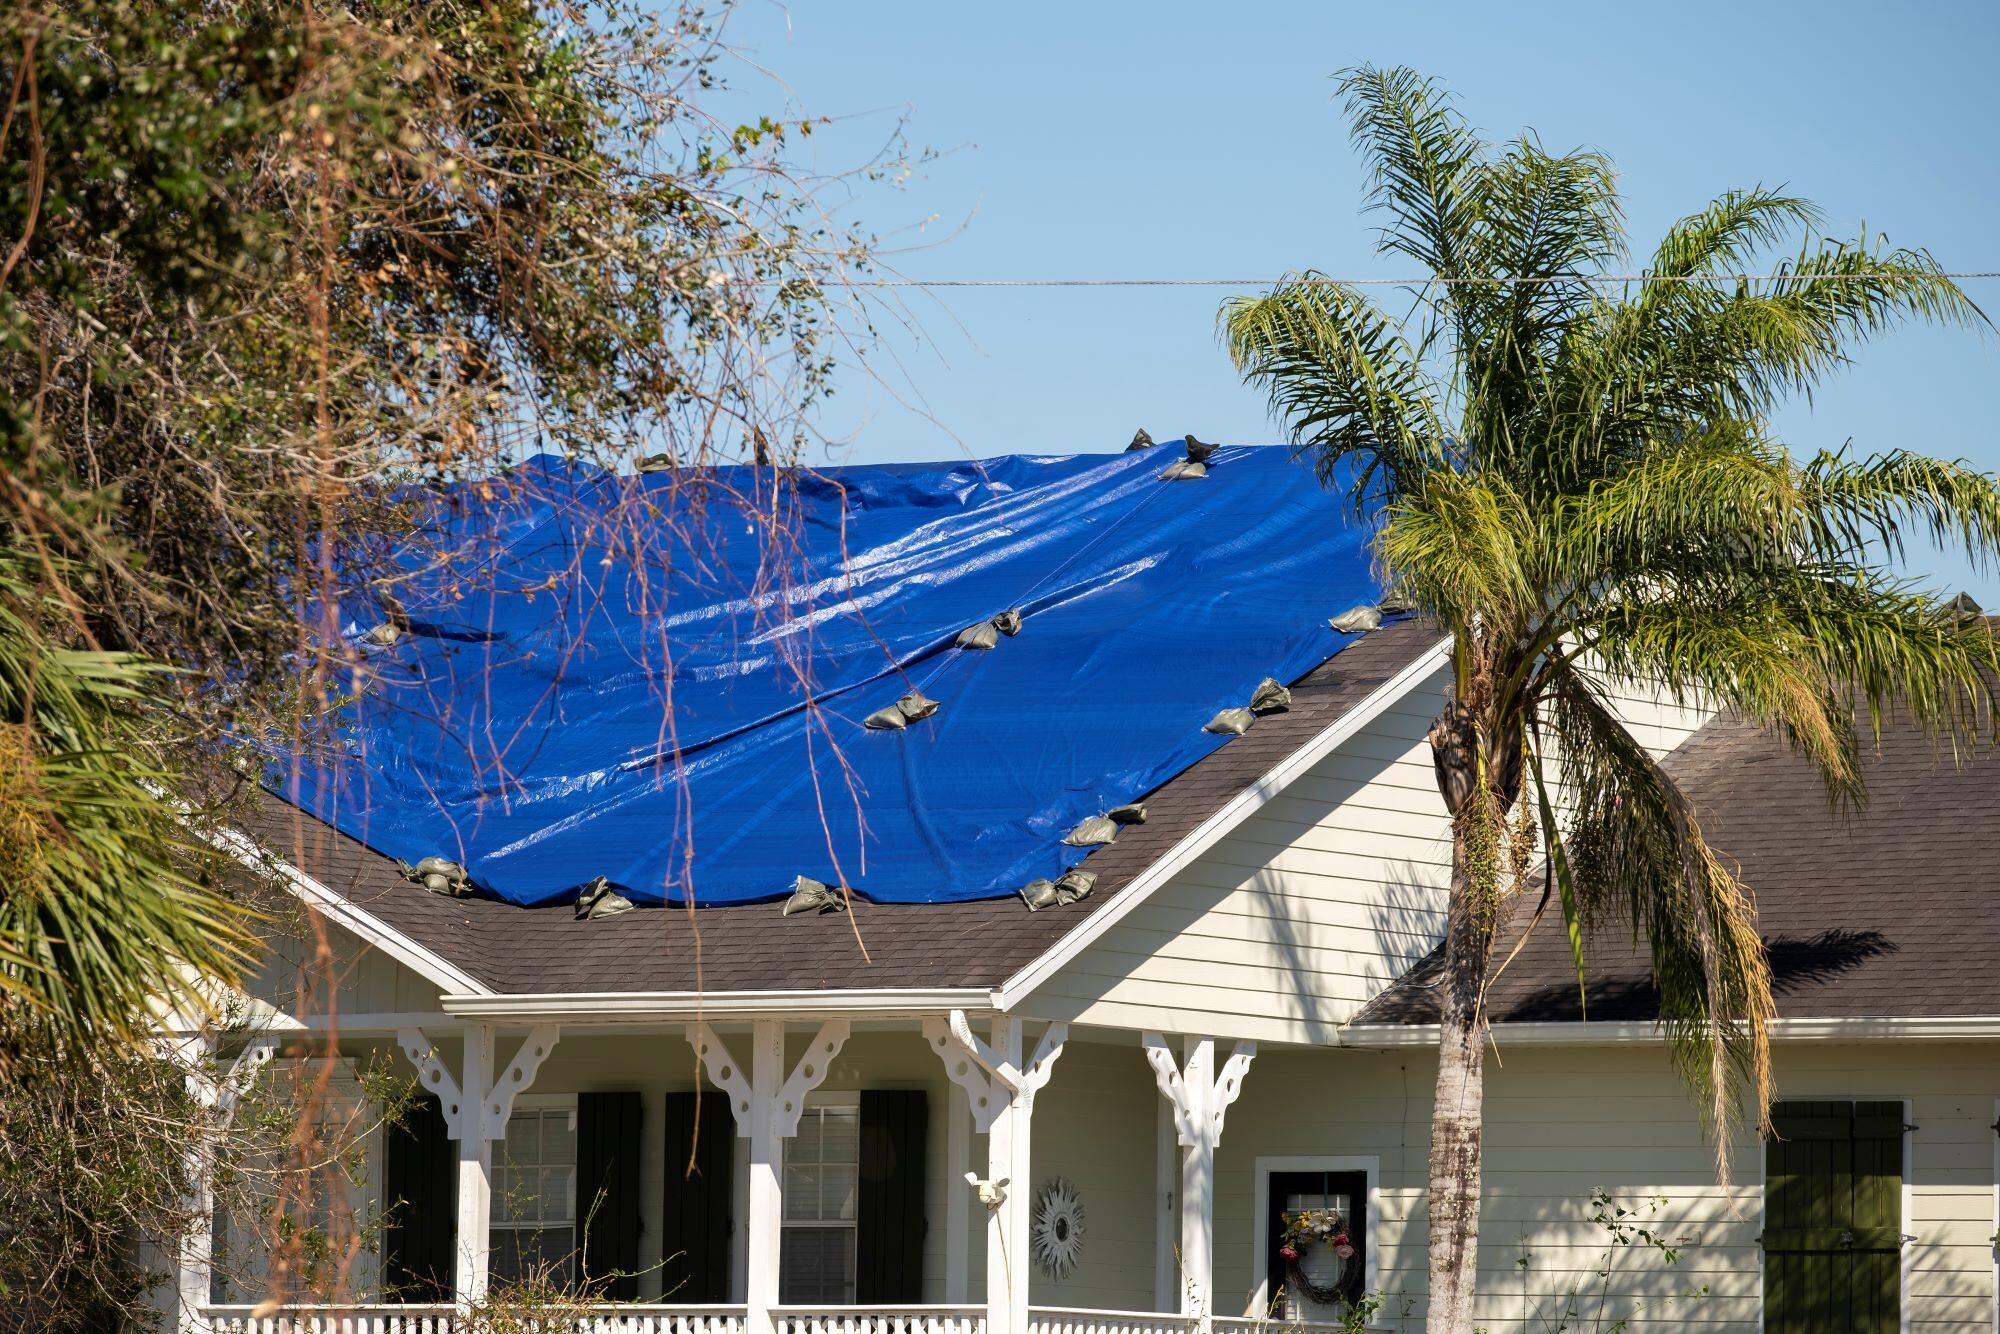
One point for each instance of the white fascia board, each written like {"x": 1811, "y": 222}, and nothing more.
{"x": 1925, "y": 1028}
{"x": 644, "y": 1006}
{"x": 1211, "y": 831}
{"x": 449, "y": 977}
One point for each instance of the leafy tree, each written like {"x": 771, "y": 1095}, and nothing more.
{"x": 1579, "y": 480}
{"x": 271, "y": 275}
{"x": 266, "y": 272}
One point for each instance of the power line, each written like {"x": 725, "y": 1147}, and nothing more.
{"x": 1595, "y": 280}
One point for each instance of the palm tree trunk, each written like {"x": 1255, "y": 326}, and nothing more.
{"x": 1457, "y": 1109}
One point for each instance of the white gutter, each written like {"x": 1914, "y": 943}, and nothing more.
{"x": 1211, "y": 831}
{"x": 1939, "y": 1028}
{"x": 447, "y": 975}
{"x": 640, "y": 1006}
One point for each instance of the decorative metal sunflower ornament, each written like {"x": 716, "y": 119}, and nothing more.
{"x": 1056, "y": 1228}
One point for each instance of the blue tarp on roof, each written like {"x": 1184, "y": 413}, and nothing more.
{"x": 682, "y": 714}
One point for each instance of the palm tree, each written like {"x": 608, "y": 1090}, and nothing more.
{"x": 1576, "y": 475}
{"x": 105, "y": 909}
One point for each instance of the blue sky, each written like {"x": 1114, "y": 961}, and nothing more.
{"x": 1178, "y": 140}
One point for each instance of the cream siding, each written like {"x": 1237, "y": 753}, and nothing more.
{"x": 1562, "y": 1122}
{"x": 295, "y": 972}
{"x": 1292, "y": 922}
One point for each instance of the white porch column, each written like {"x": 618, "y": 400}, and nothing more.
{"x": 1002, "y": 1092}
{"x": 194, "y": 1270}
{"x": 1199, "y": 1097}
{"x": 475, "y": 1168}
{"x": 476, "y": 1106}
{"x": 767, "y": 1107}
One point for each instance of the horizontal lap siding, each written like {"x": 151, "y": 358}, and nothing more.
{"x": 1561, "y": 1123}
{"x": 1301, "y": 915}
{"x": 368, "y": 981}
{"x": 1290, "y": 924}
{"x": 1094, "y": 1125}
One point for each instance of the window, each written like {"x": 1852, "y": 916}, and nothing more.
{"x": 534, "y": 1195}
{"x": 822, "y": 1172}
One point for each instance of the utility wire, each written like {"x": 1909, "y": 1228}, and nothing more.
{"x": 1595, "y": 280}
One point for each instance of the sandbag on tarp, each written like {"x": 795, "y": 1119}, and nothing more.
{"x": 519, "y": 726}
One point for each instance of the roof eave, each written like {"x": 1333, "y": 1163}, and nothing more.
{"x": 1857, "y": 1028}
{"x": 663, "y": 1006}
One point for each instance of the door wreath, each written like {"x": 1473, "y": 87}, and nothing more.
{"x": 1317, "y": 1227}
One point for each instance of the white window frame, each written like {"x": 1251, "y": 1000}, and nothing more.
{"x": 533, "y": 1102}
{"x": 814, "y": 1101}
{"x": 1369, "y": 1165}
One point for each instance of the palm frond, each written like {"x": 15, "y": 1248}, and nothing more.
{"x": 1421, "y": 155}
{"x": 107, "y": 909}
{"x": 1729, "y": 234}
{"x": 1863, "y": 502}
{"x": 1461, "y": 549}
{"x": 1639, "y": 853}
{"x": 1344, "y": 380}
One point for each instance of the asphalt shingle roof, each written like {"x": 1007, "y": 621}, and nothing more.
{"x": 1891, "y": 911}
{"x": 516, "y": 950}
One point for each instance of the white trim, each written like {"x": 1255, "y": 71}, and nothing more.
{"x": 448, "y": 976}
{"x": 1938, "y": 1028}
{"x": 1260, "y": 1246}
{"x": 639, "y": 1006}
{"x": 1210, "y": 831}
{"x": 1995, "y": 1128}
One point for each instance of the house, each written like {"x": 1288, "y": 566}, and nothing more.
{"x": 962, "y": 1113}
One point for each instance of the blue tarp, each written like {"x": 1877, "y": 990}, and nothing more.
{"x": 681, "y": 711}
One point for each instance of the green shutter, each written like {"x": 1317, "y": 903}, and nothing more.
{"x": 420, "y": 1193}
{"x": 607, "y": 1192}
{"x": 697, "y": 1221}
{"x": 889, "y": 1219}
{"x": 1833, "y": 1181}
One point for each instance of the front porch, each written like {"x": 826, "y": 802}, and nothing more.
{"x": 850, "y": 1175}
{"x": 642, "y": 1318}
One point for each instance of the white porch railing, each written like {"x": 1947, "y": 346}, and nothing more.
{"x": 1244, "y": 1324}
{"x": 880, "y": 1319}
{"x": 622, "y": 1319}
{"x": 333, "y": 1320}
{"x": 672, "y": 1319}
{"x": 1081, "y": 1320}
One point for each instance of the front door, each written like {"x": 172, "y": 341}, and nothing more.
{"x": 1833, "y": 1193}
{"x": 1320, "y": 1217}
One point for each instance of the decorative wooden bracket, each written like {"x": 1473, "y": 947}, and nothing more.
{"x": 990, "y": 1081}
{"x": 787, "y": 1102}
{"x": 723, "y": 1071}
{"x": 222, "y": 1095}
{"x": 1200, "y": 1099}
{"x": 498, "y": 1100}
{"x": 519, "y": 1074}
{"x": 807, "y": 1075}
{"x": 964, "y": 1067}
{"x": 431, "y": 1073}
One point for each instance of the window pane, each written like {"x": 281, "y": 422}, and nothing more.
{"x": 520, "y": 1254}
{"x": 816, "y": 1266}
{"x": 837, "y": 1192}
{"x": 840, "y": 1128}
{"x": 801, "y": 1193}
